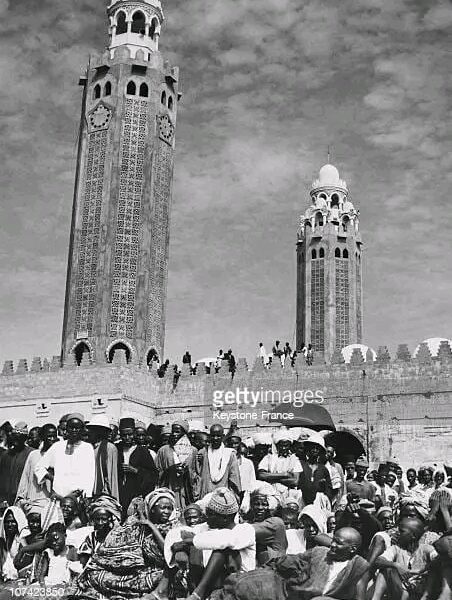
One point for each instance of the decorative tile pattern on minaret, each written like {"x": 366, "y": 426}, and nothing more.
{"x": 118, "y": 255}
{"x": 329, "y": 272}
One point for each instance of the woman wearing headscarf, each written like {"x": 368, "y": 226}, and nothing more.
{"x": 311, "y": 533}
{"x": 259, "y": 509}
{"x": 13, "y": 529}
{"x": 105, "y": 513}
{"x": 130, "y": 562}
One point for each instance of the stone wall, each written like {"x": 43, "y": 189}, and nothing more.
{"x": 399, "y": 408}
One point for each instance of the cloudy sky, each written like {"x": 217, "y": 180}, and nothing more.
{"x": 268, "y": 85}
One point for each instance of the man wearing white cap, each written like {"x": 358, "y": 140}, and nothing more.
{"x": 314, "y": 476}
{"x": 281, "y": 466}
{"x": 69, "y": 464}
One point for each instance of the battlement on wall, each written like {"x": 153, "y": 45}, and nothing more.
{"x": 403, "y": 363}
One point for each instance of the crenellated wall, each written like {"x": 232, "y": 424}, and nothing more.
{"x": 398, "y": 407}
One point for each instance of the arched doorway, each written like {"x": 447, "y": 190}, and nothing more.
{"x": 82, "y": 352}
{"x": 119, "y": 346}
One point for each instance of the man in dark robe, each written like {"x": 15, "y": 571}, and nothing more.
{"x": 315, "y": 476}
{"x": 137, "y": 473}
{"x": 12, "y": 462}
{"x": 106, "y": 455}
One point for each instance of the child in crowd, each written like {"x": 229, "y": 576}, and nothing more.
{"x": 29, "y": 551}
{"x": 59, "y": 561}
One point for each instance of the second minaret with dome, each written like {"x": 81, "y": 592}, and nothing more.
{"x": 329, "y": 270}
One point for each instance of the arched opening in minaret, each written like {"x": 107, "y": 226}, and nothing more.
{"x": 337, "y": 253}
{"x": 152, "y": 28}
{"x": 345, "y": 223}
{"x": 321, "y": 253}
{"x": 345, "y": 253}
{"x": 96, "y": 92}
{"x": 81, "y": 352}
{"x": 121, "y": 23}
{"x": 314, "y": 254}
{"x": 119, "y": 346}
{"x": 144, "y": 90}
{"x": 131, "y": 88}
{"x": 334, "y": 201}
{"x": 151, "y": 357}
{"x": 319, "y": 219}
{"x": 138, "y": 22}
{"x": 170, "y": 102}
{"x": 163, "y": 98}
{"x": 107, "y": 89}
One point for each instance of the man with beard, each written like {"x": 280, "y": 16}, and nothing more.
{"x": 12, "y": 462}
{"x": 137, "y": 472}
{"x": 217, "y": 465}
{"x": 33, "y": 497}
{"x": 69, "y": 464}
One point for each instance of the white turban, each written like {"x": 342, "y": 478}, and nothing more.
{"x": 196, "y": 426}
{"x": 282, "y": 435}
{"x": 263, "y": 438}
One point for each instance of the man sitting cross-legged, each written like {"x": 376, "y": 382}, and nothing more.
{"x": 226, "y": 547}
{"x": 404, "y": 566}
{"x": 335, "y": 572}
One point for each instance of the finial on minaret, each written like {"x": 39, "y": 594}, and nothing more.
{"x": 328, "y": 155}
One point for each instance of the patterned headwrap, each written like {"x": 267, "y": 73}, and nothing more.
{"x": 151, "y": 499}
{"x": 108, "y": 503}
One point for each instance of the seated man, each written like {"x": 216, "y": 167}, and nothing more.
{"x": 335, "y": 572}
{"x": 226, "y": 547}
{"x": 404, "y": 566}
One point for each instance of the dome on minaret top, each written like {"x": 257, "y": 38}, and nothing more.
{"x": 155, "y": 3}
{"x": 329, "y": 178}
{"x": 328, "y": 175}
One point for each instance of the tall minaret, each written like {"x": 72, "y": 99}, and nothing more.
{"x": 329, "y": 272}
{"x": 118, "y": 254}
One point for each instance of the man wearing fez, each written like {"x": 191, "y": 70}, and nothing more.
{"x": 69, "y": 464}
{"x": 137, "y": 473}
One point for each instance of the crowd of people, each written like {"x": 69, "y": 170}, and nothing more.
{"x": 121, "y": 510}
{"x": 278, "y": 353}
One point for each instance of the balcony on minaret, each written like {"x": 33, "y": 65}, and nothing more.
{"x": 135, "y": 25}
